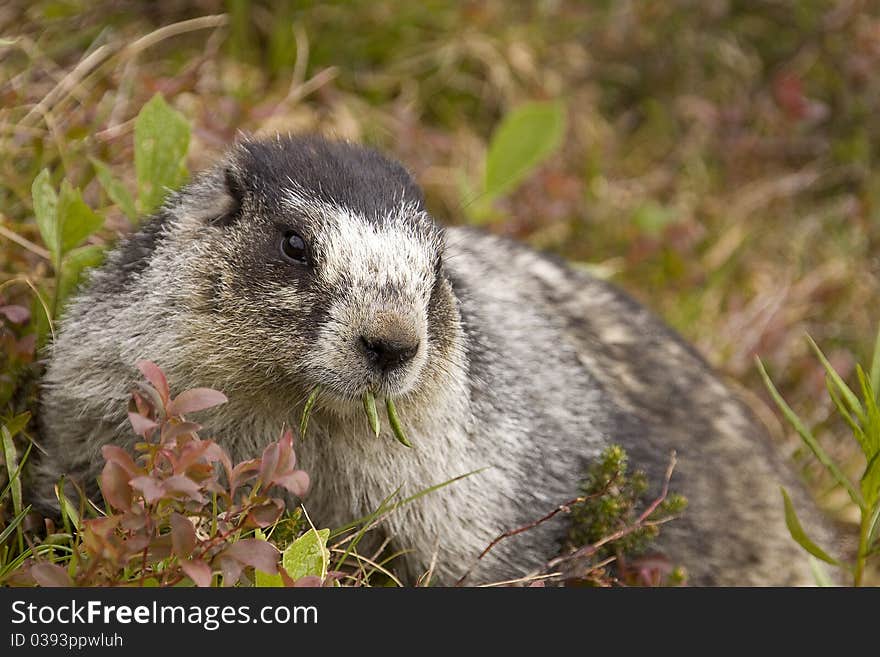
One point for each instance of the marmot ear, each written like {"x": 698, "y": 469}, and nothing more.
{"x": 212, "y": 199}
{"x": 235, "y": 198}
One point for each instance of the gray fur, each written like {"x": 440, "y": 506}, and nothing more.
{"x": 525, "y": 367}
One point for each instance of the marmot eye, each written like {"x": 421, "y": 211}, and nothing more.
{"x": 293, "y": 247}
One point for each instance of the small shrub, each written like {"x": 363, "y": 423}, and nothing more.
{"x": 178, "y": 511}
{"x": 617, "y": 525}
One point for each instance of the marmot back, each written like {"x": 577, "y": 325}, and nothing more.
{"x": 299, "y": 262}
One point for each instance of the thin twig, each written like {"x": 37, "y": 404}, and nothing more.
{"x": 521, "y": 580}
{"x": 311, "y": 85}
{"x": 67, "y": 84}
{"x": 641, "y": 521}
{"x": 513, "y": 532}
{"x": 27, "y": 281}
{"x": 425, "y": 579}
{"x": 23, "y": 242}
{"x": 115, "y": 125}
{"x": 300, "y": 64}
{"x": 519, "y": 530}
{"x": 168, "y": 31}
{"x": 376, "y": 566}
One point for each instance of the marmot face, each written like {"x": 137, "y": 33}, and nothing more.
{"x": 324, "y": 251}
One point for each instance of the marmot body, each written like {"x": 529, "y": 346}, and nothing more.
{"x": 299, "y": 262}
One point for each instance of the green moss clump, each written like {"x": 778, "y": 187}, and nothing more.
{"x": 613, "y": 501}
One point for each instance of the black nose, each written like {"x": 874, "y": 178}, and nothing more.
{"x": 388, "y": 354}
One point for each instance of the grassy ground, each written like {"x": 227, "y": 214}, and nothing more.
{"x": 718, "y": 160}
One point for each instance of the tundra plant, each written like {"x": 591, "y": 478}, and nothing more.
{"x": 861, "y": 413}
{"x": 178, "y": 511}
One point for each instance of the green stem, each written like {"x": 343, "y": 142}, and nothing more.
{"x": 55, "y": 292}
{"x": 862, "y": 554}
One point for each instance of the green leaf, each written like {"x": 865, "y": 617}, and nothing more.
{"x": 46, "y": 210}
{"x": 69, "y": 513}
{"x": 820, "y": 574}
{"x": 870, "y": 482}
{"x": 845, "y": 414}
{"x": 809, "y": 439}
{"x": 873, "y": 524}
{"x": 14, "y": 524}
{"x": 76, "y": 220}
{"x": 17, "y": 423}
{"x": 307, "y": 555}
{"x": 651, "y": 218}
{"x": 266, "y": 580}
{"x": 10, "y": 457}
{"x": 73, "y": 266}
{"x": 799, "y": 535}
{"x": 871, "y": 435}
{"x": 387, "y": 507}
{"x": 161, "y": 140}
{"x": 115, "y": 189}
{"x": 13, "y": 477}
{"x": 307, "y": 411}
{"x": 848, "y": 395}
{"x": 524, "y": 139}
{"x": 875, "y": 364}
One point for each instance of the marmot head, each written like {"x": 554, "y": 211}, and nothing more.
{"x": 317, "y": 265}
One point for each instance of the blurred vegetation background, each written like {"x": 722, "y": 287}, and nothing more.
{"x": 717, "y": 160}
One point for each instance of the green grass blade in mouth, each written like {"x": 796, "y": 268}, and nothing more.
{"x": 307, "y": 411}
{"x": 372, "y": 413}
{"x": 395, "y": 423}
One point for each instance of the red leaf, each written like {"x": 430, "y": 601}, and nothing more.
{"x": 278, "y": 466}
{"x": 196, "y": 399}
{"x": 243, "y": 472}
{"x": 265, "y": 514}
{"x": 115, "y": 487}
{"x": 103, "y": 527}
{"x": 184, "y": 485}
{"x": 183, "y": 535}
{"x": 788, "y": 90}
{"x": 288, "y": 456}
{"x": 50, "y": 574}
{"x": 26, "y": 347}
{"x": 269, "y": 462}
{"x": 297, "y": 482}
{"x": 156, "y": 377}
{"x": 148, "y": 400}
{"x": 230, "y": 569}
{"x": 198, "y": 571}
{"x": 216, "y": 453}
{"x": 149, "y": 487}
{"x": 309, "y": 581}
{"x": 213, "y": 452}
{"x": 15, "y": 314}
{"x": 174, "y": 430}
{"x": 205, "y": 451}
{"x": 141, "y": 425}
{"x": 254, "y": 552}
{"x": 120, "y": 457}
{"x": 136, "y": 543}
{"x": 286, "y": 579}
